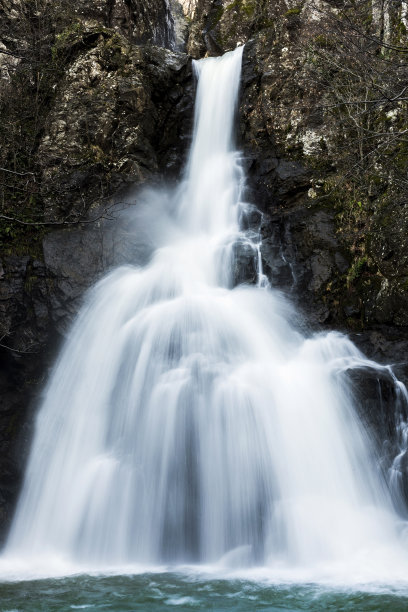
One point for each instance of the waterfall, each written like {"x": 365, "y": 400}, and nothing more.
{"x": 187, "y": 419}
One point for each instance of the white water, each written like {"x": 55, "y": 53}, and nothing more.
{"x": 189, "y": 422}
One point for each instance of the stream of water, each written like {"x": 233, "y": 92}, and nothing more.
{"x": 194, "y": 448}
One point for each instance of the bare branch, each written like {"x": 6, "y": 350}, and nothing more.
{"x": 20, "y": 352}
{"x": 17, "y": 173}
{"x": 103, "y": 215}
{"x": 5, "y": 52}
{"x": 14, "y": 350}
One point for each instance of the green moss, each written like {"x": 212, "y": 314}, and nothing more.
{"x": 265, "y": 23}
{"x": 356, "y": 269}
{"x": 323, "y": 41}
{"x": 248, "y": 7}
{"x": 294, "y": 11}
{"x": 18, "y": 239}
{"x": 398, "y": 32}
{"x": 115, "y": 55}
{"x": 66, "y": 39}
{"x": 30, "y": 282}
{"x": 233, "y": 6}
{"x": 77, "y": 36}
{"x": 402, "y": 30}
{"x": 215, "y": 17}
{"x": 386, "y": 221}
{"x": 354, "y": 324}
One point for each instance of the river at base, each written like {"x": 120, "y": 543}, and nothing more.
{"x": 193, "y": 590}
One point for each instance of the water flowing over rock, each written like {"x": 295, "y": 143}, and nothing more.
{"x": 108, "y": 114}
{"x": 293, "y": 140}
{"x": 188, "y": 420}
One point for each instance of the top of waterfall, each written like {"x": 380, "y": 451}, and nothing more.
{"x": 213, "y": 173}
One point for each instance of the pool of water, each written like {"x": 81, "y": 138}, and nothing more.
{"x": 168, "y": 591}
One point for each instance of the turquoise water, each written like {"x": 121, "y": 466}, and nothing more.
{"x": 169, "y": 591}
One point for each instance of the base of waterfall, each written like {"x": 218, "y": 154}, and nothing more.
{"x": 192, "y": 589}
{"x": 383, "y": 569}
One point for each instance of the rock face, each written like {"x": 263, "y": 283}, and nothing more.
{"x": 345, "y": 258}
{"x": 219, "y": 25}
{"x": 150, "y": 21}
{"x": 24, "y": 313}
{"x": 109, "y": 123}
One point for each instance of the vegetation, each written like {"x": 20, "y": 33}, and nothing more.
{"x": 361, "y": 68}
{"x": 294, "y": 11}
{"x": 359, "y": 64}
{"x": 40, "y": 38}
{"x": 32, "y": 62}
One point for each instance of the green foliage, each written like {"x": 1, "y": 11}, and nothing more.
{"x": 248, "y": 7}
{"x": 65, "y": 41}
{"x": 356, "y": 270}
{"x": 294, "y": 11}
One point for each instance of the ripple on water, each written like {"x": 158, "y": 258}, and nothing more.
{"x": 182, "y": 601}
{"x": 156, "y": 593}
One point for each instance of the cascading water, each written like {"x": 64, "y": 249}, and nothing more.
{"x": 187, "y": 420}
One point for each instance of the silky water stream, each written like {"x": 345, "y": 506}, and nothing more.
{"x": 194, "y": 448}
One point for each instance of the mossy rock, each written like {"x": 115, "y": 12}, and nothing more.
{"x": 293, "y": 12}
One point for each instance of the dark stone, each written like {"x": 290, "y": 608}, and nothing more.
{"x": 383, "y": 409}
{"x": 245, "y": 269}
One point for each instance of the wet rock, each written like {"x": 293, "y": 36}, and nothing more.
{"x": 244, "y": 264}
{"x": 143, "y": 22}
{"x": 383, "y": 410}
{"x": 376, "y": 399}
{"x": 27, "y": 343}
{"x": 302, "y": 255}
{"x": 182, "y": 14}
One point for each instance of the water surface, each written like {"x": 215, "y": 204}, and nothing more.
{"x": 168, "y": 591}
